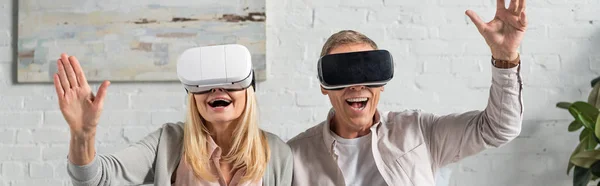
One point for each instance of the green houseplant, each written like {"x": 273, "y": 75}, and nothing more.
{"x": 585, "y": 159}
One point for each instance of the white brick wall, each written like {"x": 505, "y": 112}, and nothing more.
{"x": 442, "y": 67}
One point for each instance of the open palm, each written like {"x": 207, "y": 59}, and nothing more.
{"x": 80, "y": 108}
{"x": 505, "y": 32}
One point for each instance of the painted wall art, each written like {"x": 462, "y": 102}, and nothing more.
{"x": 132, "y": 40}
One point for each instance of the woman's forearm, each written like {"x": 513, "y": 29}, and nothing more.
{"x": 82, "y": 148}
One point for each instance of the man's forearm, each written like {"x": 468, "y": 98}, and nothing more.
{"x": 504, "y": 55}
{"x": 455, "y": 136}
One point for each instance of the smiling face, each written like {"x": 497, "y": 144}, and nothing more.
{"x": 220, "y": 106}
{"x": 354, "y": 106}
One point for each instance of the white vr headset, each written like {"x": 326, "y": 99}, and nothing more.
{"x": 202, "y": 69}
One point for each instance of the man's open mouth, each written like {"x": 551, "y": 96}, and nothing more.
{"x": 357, "y": 103}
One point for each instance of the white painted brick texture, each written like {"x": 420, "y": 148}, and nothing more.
{"x": 442, "y": 66}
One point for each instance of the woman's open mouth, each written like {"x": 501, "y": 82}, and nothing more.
{"x": 219, "y": 103}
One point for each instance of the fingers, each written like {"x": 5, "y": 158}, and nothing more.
{"x": 500, "y": 5}
{"x": 476, "y": 19}
{"x": 78, "y": 71}
{"x": 63, "y": 75}
{"x": 69, "y": 69}
{"x": 523, "y": 19}
{"x": 101, "y": 93}
{"x": 521, "y": 7}
{"x": 59, "y": 89}
{"x": 518, "y": 23}
{"x": 513, "y": 5}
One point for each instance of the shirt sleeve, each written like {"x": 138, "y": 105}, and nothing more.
{"x": 130, "y": 166}
{"x": 455, "y": 136}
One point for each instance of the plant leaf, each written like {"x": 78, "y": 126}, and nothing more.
{"x": 581, "y": 176}
{"x": 595, "y": 169}
{"x": 569, "y": 167}
{"x": 581, "y": 117}
{"x": 575, "y": 125}
{"x": 597, "y": 131}
{"x": 586, "y": 108}
{"x": 592, "y": 142}
{"x": 585, "y": 112}
{"x": 585, "y": 159}
{"x": 594, "y": 177}
{"x": 594, "y": 97}
{"x": 585, "y": 133}
{"x": 578, "y": 149}
{"x": 563, "y": 105}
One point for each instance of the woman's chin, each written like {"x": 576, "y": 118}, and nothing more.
{"x": 220, "y": 118}
{"x": 223, "y": 114}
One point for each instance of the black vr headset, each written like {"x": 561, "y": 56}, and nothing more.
{"x": 368, "y": 68}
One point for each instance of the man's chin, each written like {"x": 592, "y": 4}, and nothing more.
{"x": 361, "y": 121}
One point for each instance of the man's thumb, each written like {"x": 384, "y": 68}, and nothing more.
{"x": 476, "y": 19}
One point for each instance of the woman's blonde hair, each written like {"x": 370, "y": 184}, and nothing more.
{"x": 249, "y": 146}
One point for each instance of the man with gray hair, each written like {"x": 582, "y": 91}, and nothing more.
{"x": 357, "y": 144}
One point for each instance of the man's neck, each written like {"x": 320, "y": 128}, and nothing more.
{"x": 348, "y": 131}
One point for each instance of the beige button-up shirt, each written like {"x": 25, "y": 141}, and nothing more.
{"x": 411, "y": 145}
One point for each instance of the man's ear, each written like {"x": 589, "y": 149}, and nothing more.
{"x": 323, "y": 91}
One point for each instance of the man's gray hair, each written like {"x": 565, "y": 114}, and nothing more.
{"x": 346, "y": 37}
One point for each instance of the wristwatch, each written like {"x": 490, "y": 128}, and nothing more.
{"x": 506, "y": 64}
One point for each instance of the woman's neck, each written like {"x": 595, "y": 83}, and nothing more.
{"x": 222, "y": 134}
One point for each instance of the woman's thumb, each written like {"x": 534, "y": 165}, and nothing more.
{"x": 101, "y": 93}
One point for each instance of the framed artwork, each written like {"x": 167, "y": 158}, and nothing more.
{"x": 130, "y": 41}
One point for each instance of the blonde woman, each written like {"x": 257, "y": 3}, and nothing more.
{"x": 215, "y": 145}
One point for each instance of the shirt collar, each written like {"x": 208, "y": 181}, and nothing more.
{"x": 213, "y": 149}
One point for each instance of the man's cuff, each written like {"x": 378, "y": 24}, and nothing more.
{"x": 506, "y": 76}
{"x": 84, "y": 173}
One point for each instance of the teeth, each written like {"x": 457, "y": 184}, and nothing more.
{"x": 356, "y": 99}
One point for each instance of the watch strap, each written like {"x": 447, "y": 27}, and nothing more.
{"x": 506, "y": 64}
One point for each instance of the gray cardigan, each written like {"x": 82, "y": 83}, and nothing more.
{"x": 153, "y": 160}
